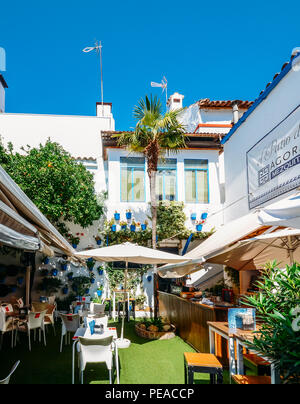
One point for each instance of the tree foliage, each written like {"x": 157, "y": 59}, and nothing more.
{"x": 277, "y": 307}
{"x": 60, "y": 187}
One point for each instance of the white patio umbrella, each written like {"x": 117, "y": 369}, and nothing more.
{"x": 282, "y": 246}
{"x": 133, "y": 253}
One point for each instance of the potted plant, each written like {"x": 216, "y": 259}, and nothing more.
{"x": 20, "y": 280}
{"x": 92, "y": 278}
{"x": 204, "y": 216}
{"x": 90, "y": 262}
{"x": 144, "y": 225}
{"x": 123, "y": 225}
{"x": 98, "y": 240}
{"x": 112, "y": 225}
{"x": 65, "y": 290}
{"x": 193, "y": 216}
{"x": 100, "y": 271}
{"x": 128, "y": 214}
{"x": 74, "y": 240}
{"x": 140, "y": 301}
{"x": 50, "y": 285}
{"x": 117, "y": 216}
{"x": 199, "y": 226}
{"x": 46, "y": 260}
{"x": 70, "y": 276}
{"x": 64, "y": 266}
{"x": 133, "y": 226}
{"x": 54, "y": 272}
{"x": 80, "y": 284}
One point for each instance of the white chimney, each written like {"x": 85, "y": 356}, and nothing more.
{"x": 175, "y": 101}
{"x": 235, "y": 111}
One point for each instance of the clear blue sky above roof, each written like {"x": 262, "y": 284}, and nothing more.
{"x": 205, "y": 49}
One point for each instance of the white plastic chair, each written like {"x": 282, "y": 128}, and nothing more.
{"x": 6, "y": 308}
{"x": 35, "y": 321}
{"x": 70, "y": 323}
{"x": 97, "y": 308}
{"x": 92, "y": 350}
{"x": 7, "y": 379}
{"x": 6, "y": 325}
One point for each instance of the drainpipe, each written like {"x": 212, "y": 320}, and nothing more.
{"x": 235, "y": 111}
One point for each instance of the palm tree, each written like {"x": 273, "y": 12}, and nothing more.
{"x": 155, "y": 135}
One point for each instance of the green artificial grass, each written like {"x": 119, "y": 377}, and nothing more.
{"x": 144, "y": 362}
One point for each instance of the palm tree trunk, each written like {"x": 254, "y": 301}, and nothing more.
{"x": 152, "y": 178}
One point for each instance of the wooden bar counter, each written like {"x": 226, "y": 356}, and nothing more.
{"x": 190, "y": 319}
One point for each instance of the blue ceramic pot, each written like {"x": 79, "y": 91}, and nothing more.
{"x": 74, "y": 245}
{"x": 87, "y": 291}
{"x": 193, "y": 216}
{"x": 20, "y": 280}
{"x": 70, "y": 277}
{"x": 149, "y": 278}
{"x": 143, "y": 226}
{"x": 99, "y": 242}
{"x": 54, "y": 272}
{"x": 65, "y": 291}
{"x": 204, "y": 216}
{"x": 100, "y": 271}
{"x": 93, "y": 280}
{"x": 46, "y": 261}
{"x": 117, "y": 216}
{"x": 132, "y": 227}
{"x": 124, "y": 227}
{"x": 128, "y": 215}
{"x": 113, "y": 227}
{"x": 64, "y": 267}
{"x": 199, "y": 227}
{"x": 99, "y": 293}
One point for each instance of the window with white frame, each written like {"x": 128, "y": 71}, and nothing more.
{"x": 132, "y": 179}
{"x": 166, "y": 180}
{"x": 196, "y": 181}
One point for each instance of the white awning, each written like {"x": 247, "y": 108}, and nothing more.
{"x": 285, "y": 213}
{"x": 19, "y": 213}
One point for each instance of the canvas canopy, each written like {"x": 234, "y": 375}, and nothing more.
{"x": 282, "y": 246}
{"x": 22, "y": 224}
{"x": 285, "y": 213}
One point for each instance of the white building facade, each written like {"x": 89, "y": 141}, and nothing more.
{"x": 262, "y": 151}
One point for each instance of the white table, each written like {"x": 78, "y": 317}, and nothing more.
{"x": 85, "y": 332}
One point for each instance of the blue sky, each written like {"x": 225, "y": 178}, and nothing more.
{"x": 217, "y": 50}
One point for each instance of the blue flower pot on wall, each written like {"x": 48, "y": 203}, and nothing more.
{"x": 64, "y": 267}
{"x": 143, "y": 226}
{"x": 20, "y": 280}
{"x": 132, "y": 227}
{"x": 117, "y": 216}
{"x": 199, "y": 227}
{"x": 204, "y": 216}
{"x": 100, "y": 272}
{"x": 74, "y": 245}
{"x": 124, "y": 227}
{"x": 193, "y": 216}
{"x": 70, "y": 277}
{"x": 128, "y": 215}
{"x": 99, "y": 242}
{"x": 149, "y": 278}
{"x": 93, "y": 280}
{"x": 113, "y": 227}
{"x": 87, "y": 291}
{"x": 46, "y": 261}
{"x": 65, "y": 291}
{"x": 99, "y": 293}
{"x": 54, "y": 272}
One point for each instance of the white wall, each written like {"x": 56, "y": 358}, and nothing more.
{"x": 140, "y": 210}
{"x": 79, "y": 135}
{"x": 277, "y": 106}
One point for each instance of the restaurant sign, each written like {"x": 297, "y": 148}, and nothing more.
{"x": 273, "y": 164}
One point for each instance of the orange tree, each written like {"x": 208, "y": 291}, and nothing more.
{"x": 60, "y": 187}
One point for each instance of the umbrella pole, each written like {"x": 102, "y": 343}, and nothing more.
{"x": 291, "y": 255}
{"x": 124, "y": 302}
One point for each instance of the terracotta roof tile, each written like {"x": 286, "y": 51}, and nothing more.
{"x": 207, "y": 103}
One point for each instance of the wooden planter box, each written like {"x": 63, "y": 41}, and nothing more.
{"x": 143, "y": 333}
